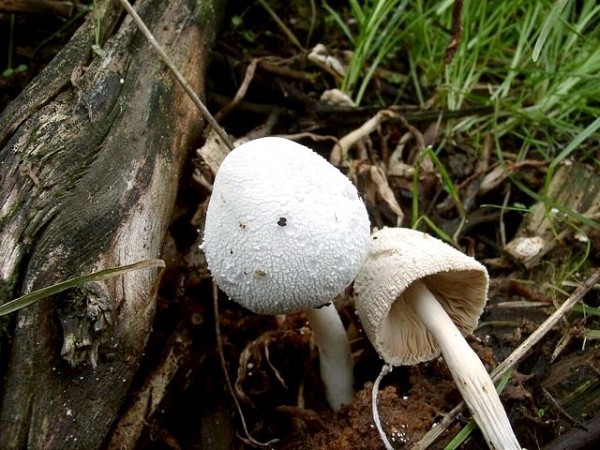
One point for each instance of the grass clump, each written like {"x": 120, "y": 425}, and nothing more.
{"x": 544, "y": 103}
{"x": 377, "y": 24}
{"x": 536, "y": 63}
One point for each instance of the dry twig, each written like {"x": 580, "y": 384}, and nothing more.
{"x": 182, "y": 81}
{"x": 456, "y": 32}
{"x": 249, "y": 439}
{"x": 341, "y": 148}
{"x": 241, "y": 92}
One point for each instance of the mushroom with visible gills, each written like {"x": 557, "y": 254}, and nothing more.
{"x": 416, "y": 295}
{"x": 286, "y": 232}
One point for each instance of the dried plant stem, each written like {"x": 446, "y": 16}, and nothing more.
{"x": 341, "y": 148}
{"x": 284, "y": 28}
{"x": 182, "y": 81}
{"x": 248, "y": 439}
{"x": 546, "y": 326}
{"x": 241, "y": 92}
{"x": 514, "y": 357}
{"x": 456, "y": 32}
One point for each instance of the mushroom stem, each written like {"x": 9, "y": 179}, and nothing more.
{"x": 468, "y": 371}
{"x": 334, "y": 354}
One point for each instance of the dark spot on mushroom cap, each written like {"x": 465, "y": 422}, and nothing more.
{"x": 242, "y": 226}
{"x": 231, "y": 252}
{"x": 282, "y": 222}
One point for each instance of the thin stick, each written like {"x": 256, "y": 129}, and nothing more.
{"x": 313, "y": 20}
{"x": 248, "y": 437}
{"x": 341, "y": 148}
{"x": 282, "y": 25}
{"x": 456, "y": 32}
{"x": 184, "y": 84}
{"x": 545, "y": 327}
{"x": 241, "y": 92}
{"x": 433, "y": 434}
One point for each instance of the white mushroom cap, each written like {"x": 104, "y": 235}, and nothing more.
{"x": 285, "y": 230}
{"x": 398, "y": 257}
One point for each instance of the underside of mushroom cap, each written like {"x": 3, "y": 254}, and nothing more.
{"x": 397, "y": 258}
{"x": 285, "y": 230}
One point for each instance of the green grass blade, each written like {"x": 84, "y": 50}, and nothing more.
{"x": 357, "y": 11}
{"x": 447, "y": 181}
{"x": 339, "y": 21}
{"x": 437, "y": 230}
{"x": 552, "y": 18}
{"x": 32, "y": 297}
{"x": 549, "y": 203}
{"x": 586, "y": 310}
{"x": 573, "y": 145}
{"x": 592, "y": 334}
{"x": 463, "y": 434}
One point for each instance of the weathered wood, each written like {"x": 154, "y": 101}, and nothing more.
{"x": 575, "y": 187}
{"x": 574, "y": 385}
{"x": 90, "y": 155}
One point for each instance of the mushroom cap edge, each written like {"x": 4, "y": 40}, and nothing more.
{"x": 397, "y": 258}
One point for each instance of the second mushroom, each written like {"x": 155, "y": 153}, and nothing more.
{"x": 417, "y": 296}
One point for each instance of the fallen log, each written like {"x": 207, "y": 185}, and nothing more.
{"x": 91, "y": 153}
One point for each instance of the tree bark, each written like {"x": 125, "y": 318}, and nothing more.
{"x": 90, "y": 156}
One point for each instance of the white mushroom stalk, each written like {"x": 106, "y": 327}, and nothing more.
{"x": 468, "y": 371}
{"x": 286, "y": 232}
{"x": 416, "y": 296}
{"x": 335, "y": 357}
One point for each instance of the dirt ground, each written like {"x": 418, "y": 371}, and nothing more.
{"x": 553, "y": 395}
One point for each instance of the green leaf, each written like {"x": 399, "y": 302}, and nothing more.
{"x": 552, "y": 18}
{"x": 463, "y": 434}
{"x": 32, "y": 297}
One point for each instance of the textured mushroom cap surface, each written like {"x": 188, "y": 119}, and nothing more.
{"x": 397, "y": 258}
{"x": 285, "y": 230}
